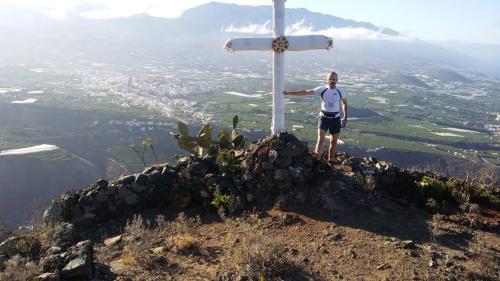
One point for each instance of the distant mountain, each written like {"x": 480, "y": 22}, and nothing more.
{"x": 143, "y": 38}
{"x": 214, "y": 16}
{"x": 211, "y": 18}
{"x": 447, "y": 75}
{"x": 397, "y": 78}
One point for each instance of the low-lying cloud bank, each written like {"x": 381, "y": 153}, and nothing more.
{"x": 300, "y": 28}
{"x": 265, "y": 28}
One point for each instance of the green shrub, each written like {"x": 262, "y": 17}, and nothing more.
{"x": 432, "y": 188}
{"x": 487, "y": 197}
{"x": 226, "y": 160}
{"x": 203, "y": 144}
{"x": 221, "y": 200}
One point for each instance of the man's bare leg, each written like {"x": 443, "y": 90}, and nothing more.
{"x": 333, "y": 146}
{"x": 319, "y": 144}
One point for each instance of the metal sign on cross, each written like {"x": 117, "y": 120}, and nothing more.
{"x": 279, "y": 44}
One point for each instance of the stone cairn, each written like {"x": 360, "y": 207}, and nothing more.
{"x": 265, "y": 170}
{"x": 278, "y": 171}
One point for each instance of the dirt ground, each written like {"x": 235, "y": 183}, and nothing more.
{"x": 382, "y": 242}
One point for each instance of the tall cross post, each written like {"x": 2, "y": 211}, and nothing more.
{"x": 279, "y": 44}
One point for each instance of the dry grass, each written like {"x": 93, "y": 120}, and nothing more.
{"x": 434, "y": 167}
{"x": 40, "y": 233}
{"x": 180, "y": 233}
{"x": 19, "y": 269}
{"x": 489, "y": 264}
{"x": 129, "y": 260}
{"x": 184, "y": 225}
{"x": 261, "y": 257}
{"x": 256, "y": 255}
{"x": 138, "y": 240}
{"x": 29, "y": 246}
{"x": 45, "y": 234}
{"x": 141, "y": 237}
{"x": 185, "y": 244}
{"x": 136, "y": 228}
{"x": 485, "y": 177}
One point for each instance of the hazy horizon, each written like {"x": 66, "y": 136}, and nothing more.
{"x": 442, "y": 21}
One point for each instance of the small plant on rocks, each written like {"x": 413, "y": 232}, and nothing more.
{"x": 220, "y": 200}
{"x": 142, "y": 148}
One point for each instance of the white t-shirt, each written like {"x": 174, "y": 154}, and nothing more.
{"x": 331, "y": 98}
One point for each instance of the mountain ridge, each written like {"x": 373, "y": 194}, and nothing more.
{"x": 262, "y": 14}
{"x": 198, "y": 25}
{"x": 213, "y": 16}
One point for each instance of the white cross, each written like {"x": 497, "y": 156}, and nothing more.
{"x": 279, "y": 44}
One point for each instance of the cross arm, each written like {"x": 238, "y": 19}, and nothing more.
{"x": 249, "y": 44}
{"x": 295, "y": 43}
{"x": 309, "y": 42}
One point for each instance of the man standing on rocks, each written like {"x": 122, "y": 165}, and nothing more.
{"x": 330, "y": 114}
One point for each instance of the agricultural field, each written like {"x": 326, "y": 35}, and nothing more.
{"x": 382, "y": 116}
{"x": 393, "y": 110}
{"x": 93, "y": 113}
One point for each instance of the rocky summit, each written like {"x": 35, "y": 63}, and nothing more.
{"x": 271, "y": 211}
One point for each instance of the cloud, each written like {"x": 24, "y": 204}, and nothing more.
{"x": 355, "y": 33}
{"x": 83, "y": 9}
{"x": 346, "y": 33}
{"x": 300, "y": 28}
{"x": 264, "y": 28}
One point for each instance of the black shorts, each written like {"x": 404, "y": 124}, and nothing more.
{"x": 329, "y": 124}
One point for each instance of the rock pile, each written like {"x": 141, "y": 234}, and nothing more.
{"x": 273, "y": 166}
{"x": 25, "y": 246}
{"x": 276, "y": 170}
{"x": 67, "y": 257}
{"x": 103, "y": 200}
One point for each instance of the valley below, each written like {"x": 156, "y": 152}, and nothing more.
{"x": 423, "y": 116}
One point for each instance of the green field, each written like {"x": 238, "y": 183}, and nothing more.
{"x": 401, "y": 128}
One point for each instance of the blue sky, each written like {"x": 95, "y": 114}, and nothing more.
{"x": 436, "y": 20}
{"x": 473, "y": 21}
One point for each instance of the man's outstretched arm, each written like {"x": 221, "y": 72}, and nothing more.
{"x": 299, "y": 93}
{"x": 344, "y": 110}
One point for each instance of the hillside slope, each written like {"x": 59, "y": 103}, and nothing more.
{"x": 269, "y": 212}
{"x": 28, "y": 183}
